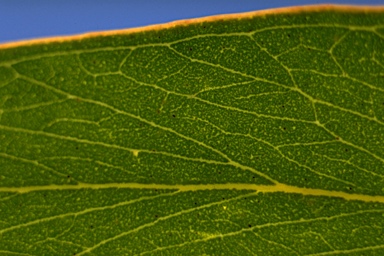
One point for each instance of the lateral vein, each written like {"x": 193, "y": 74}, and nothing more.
{"x": 278, "y": 188}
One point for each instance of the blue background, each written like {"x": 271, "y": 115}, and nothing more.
{"x": 24, "y": 19}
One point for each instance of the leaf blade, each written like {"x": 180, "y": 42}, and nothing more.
{"x": 207, "y": 138}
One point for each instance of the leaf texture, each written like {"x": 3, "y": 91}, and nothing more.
{"x": 257, "y": 134}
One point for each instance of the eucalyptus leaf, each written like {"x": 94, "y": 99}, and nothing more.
{"x": 249, "y": 134}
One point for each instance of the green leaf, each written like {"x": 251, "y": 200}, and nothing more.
{"x": 255, "y": 134}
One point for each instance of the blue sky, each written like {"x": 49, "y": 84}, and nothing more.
{"x": 25, "y": 19}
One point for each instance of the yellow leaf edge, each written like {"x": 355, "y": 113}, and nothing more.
{"x": 186, "y": 22}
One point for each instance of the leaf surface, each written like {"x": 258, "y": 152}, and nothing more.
{"x": 258, "y": 134}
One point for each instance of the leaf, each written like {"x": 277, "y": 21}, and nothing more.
{"x": 254, "y": 134}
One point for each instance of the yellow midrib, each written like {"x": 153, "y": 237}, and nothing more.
{"x": 228, "y": 186}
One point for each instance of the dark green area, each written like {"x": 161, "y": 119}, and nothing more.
{"x": 291, "y": 98}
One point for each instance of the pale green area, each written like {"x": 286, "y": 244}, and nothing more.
{"x": 288, "y": 99}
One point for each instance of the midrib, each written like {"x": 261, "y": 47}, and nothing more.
{"x": 228, "y": 186}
